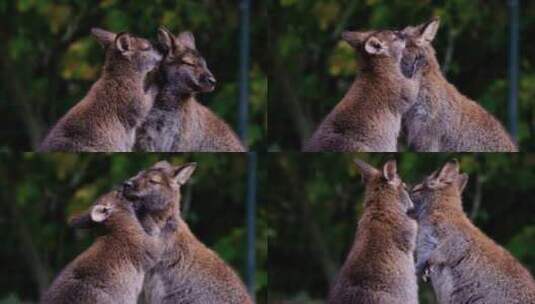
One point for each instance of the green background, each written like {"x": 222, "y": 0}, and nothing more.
{"x": 312, "y": 68}
{"x": 315, "y": 202}
{"x": 48, "y": 59}
{"x": 39, "y": 192}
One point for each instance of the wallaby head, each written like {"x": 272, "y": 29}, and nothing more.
{"x": 380, "y": 49}
{"x": 440, "y": 189}
{"x": 384, "y": 182}
{"x": 140, "y": 53}
{"x": 156, "y": 188}
{"x": 183, "y": 68}
{"x": 419, "y": 52}
{"x": 108, "y": 211}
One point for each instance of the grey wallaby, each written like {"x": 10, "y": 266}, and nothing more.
{"x": 178, "y": 122}
{"x": 443, "y": 119}
{"x": 106, "y": 119}
{"x": 464, "y": 265}
{"x": 369, "y": 116}
{"x": 380, "y": 266}
{"x": 188, "y": 271}
{"x": 113, "y": 268}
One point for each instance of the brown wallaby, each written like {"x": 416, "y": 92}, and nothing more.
{"x": 465, "y": 266}
{"x": 443, "y": 119}
{"x": 188, "y": 272}
{"x": 177, "y": 122}
{"x": 106, "y": 119}
{"x": 369, "y": 116}
{"x": 113, "y": 268}
{"x": 380, "y": 266}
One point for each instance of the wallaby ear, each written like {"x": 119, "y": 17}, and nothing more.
{"x": 374, "y": 46}
{"x": 81, "y": 221}
{"x": 426, "y": 32}
{"x": 166, "y": 38}
{"x": 184, "y": 172}
{"x": 123, "y": 42}
{"x": 185, "y": 40}
{"x": 356, "y": 39}
{"x": 104, "y": 38}
{"x": 99, "y": 213}
{"x": 449, "y": 172}
{"x": 390, "y": 171}
{"x": 367, "y": 171}
{"x": 163, "y": 164}
{"x": 462, "y": 180}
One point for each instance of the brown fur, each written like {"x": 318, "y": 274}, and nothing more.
{"x": 113, "y": 268}
{"x": 177, "y": 122}
{"x": 443, "y": 119}
{"x": 465, "y": 266}
{"x": 188, "y": 272}
{"x": 106, "y": 119}
{"x": 380, "y": 266}
{"x": 369, "y": 116}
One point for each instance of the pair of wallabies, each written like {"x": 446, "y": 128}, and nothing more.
{"x": 401, "y": 88}
{"x": 147, "y": 250}
{"x": 463, "y": 264}
{"x": 145, "y": 101}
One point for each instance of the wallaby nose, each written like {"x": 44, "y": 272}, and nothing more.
{"x": 209, "y": 79}
{"x": 128, "y": 185}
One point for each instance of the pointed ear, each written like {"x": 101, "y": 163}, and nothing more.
{"x": 163, "y": 164}
{"x": 367, "y": 171}
{"x": 449, "y": 172}
{"x": 424, "y": 33}
{"x": 81, "y": 221}
{"x": 374, "y": 46}
{"x": 123, "y": 42}
{"x": 104, "y": 38}
{"x": 100, "y": 213}
{"x": 166, "y": 38}
{"x": 390, "y": 171}
{"x": 462, "y": 180}
{"x": 356, "y": 39}
{"x": 185, "y": 40}
{"x": 184, "y": 172}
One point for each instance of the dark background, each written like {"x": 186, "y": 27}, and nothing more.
{"x": 48, "y": 59}
{"x": 315, "y": 202}
{"x": 312, "y": 68}
{"x": 39, "y": 192}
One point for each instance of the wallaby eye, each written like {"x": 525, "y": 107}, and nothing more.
{"x": 188, "y": 61}
{"x": 155, "y": 179}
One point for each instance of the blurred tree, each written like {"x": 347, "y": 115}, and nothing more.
{"x": 39, "y": 192}
{"x": 316, "y": 201}
{"x": 49, "y": 60}
{"x": 312, "y": 68}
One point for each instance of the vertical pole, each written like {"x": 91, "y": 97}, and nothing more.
{"x": 245, "y": 7}
{"x": 251, "y": 221}
{"x": 513, "y": 66}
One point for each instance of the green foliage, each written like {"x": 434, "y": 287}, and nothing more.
{"x": 49, "y": 61}
{"x": 317, "y": 199}
{"x": 39, "y": 192}
{"x": 313, "y": 68}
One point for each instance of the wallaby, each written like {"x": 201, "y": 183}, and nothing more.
{"x": 113, "y": 268}
{"x": 188, "y": 272}
{"x": 177, "y": 122}
{"x": 106, "y": 119}
{"x": 465, "y": 266}
{"x": 443, "y": 119}
{"x": 369, "y": 116}
{"x": 380, "y": 266}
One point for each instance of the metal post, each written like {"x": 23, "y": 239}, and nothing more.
{"x": 251, "y": 221}
{"x": 513, "y": 66}
{"x": 245, "y": 7}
